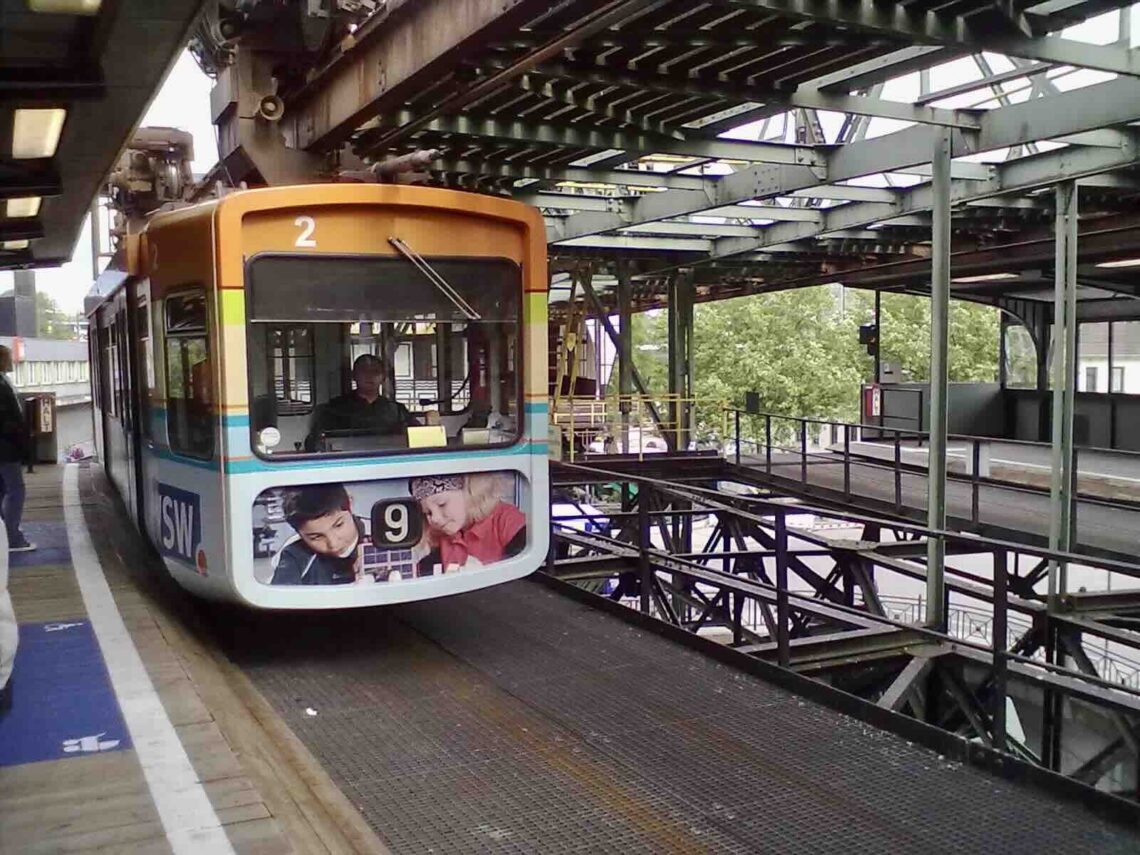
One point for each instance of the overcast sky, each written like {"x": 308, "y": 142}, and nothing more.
{"x": 183, "y": 102}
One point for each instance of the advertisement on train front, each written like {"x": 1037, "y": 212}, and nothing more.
{"x": 387, "y": 531}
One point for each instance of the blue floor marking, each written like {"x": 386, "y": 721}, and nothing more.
{"x": 50, "y": 539}
{"x": 63, "y": 703}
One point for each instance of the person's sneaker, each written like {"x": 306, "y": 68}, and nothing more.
{"x": 19, "y": 543}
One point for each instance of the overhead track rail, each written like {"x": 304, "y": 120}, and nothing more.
{"x": 610, "y": 115}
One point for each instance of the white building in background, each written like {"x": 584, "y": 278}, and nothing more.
{"x": 51, "y": 365}
{"x": 1096, "y": 372}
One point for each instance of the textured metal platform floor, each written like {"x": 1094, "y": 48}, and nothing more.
{"x": 517, "y": 720}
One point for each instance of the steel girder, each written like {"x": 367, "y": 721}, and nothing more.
{"x": 536, "y": 94}
{"x": 806, "y": 97}
{"x": 840, "y": 631}
{"x": 1115, "y": 102}
{"x": 1021, "y": 36}
{"x": 633, "y": 143}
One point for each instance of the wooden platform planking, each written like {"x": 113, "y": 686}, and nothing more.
{"x": 270, "y": 794}
{"x": 101, "y": 802}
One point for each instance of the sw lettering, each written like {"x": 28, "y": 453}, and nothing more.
{"x": 178, "y": 527}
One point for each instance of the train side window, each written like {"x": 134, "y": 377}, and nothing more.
{"x": 106, "y": 337}
{"x": 189, "y": 379}
{"x": 145, "y": 359}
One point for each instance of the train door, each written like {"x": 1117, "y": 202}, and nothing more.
{"x": 135, "y": 308}
{"x": 98, "y": 349}
{"x": 111, "y": 439}
{"x": 126, "y": 398}
{"x": 143, "y": 382}
{"x": 117, "y": 434}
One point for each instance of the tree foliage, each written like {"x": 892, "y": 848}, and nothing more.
{"x": 800, "y": 349}
{"x": 904, "y": 336}
{"x": 793, "y": 347}
{"x": 51, "y": 321}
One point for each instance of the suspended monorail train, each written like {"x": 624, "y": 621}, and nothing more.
{"x": 329, "y": 396}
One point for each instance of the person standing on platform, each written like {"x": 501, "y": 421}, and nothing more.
{"x": 9, "y": 632}
{"x": 14, "y": 452}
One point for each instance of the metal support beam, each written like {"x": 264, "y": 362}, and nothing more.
{"x": 939, "y": 346}
{"x": 515, "y": 171}
{"x": 400, "y": 55}
{"x": 1064, "y": 377}
{"x": 1114, "y": 102}
{"x": 1015, "y": 176}
{"x": 634, "y": 143}
{"x": 905, "y": 687}
{"x": 625, "y": 349}
{"x": 878, "y": 376}
{"x": 680, "y": 355}
{"x": 777, "y": 100}
{"x": 932, "y": 28}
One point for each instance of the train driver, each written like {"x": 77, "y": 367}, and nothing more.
{"x": 364, "y": 409}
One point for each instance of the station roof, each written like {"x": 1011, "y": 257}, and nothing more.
{"x": 763, "y": 144}
{"x": 75, "y": 79}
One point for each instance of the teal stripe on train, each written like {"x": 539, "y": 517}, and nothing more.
{"x": 242, "y": 419}
{"x": 237, "y": 436}
{"x": 244, "y": 467}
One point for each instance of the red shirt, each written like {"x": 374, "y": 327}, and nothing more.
{"x": 484, "y": 540}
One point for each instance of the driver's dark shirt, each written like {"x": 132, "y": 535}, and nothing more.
{"x": 351, "y": 412}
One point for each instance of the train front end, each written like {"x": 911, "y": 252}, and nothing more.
{"x": 383, "y": 394}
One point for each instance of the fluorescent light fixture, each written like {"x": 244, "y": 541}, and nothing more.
{"x": 35, "y": 132}
{"x": 27, "y": 206}
{"x": 988, "y": 277}
{"x": 14, "y": 244}
{"x": 65, "y": 7}
{"x": 1128, "y": 262}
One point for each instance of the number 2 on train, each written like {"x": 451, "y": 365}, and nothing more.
{"x": 307, "y": 225}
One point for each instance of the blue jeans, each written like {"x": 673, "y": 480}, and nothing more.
{"x": 12, "y": 497}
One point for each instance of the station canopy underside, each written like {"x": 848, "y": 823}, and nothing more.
{"x": 764, "y": 144}
{"x": 72, "y": 89}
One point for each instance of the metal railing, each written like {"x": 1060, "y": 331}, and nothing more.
{"x": 637, "y": 424}
{"x": 769, "y": 431}
{"x": 978, "y": 625}
{"x": 670, "y": 583}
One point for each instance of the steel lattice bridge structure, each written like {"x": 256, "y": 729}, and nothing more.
{"x": 694, "y": 150}
{"x": 765, "y": 588}
{"x": 609, "y": 116}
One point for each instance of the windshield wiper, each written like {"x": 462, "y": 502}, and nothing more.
{"x": 420, "y": 263}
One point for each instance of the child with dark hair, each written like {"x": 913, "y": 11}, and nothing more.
{"x": 326, "y": 549}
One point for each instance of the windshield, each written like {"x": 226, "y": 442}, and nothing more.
{"x": 382, "y": 355}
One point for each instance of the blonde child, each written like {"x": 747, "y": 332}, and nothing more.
{"x": 467, "y": 523}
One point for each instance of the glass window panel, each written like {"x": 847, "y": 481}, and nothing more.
{"x": 401, "y": 319}
{"x": 1126, "y": 357}
{"x": 1092, "y": 358}
{"x": 1020, "y": 358}
{"x": 189, "y": 378}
